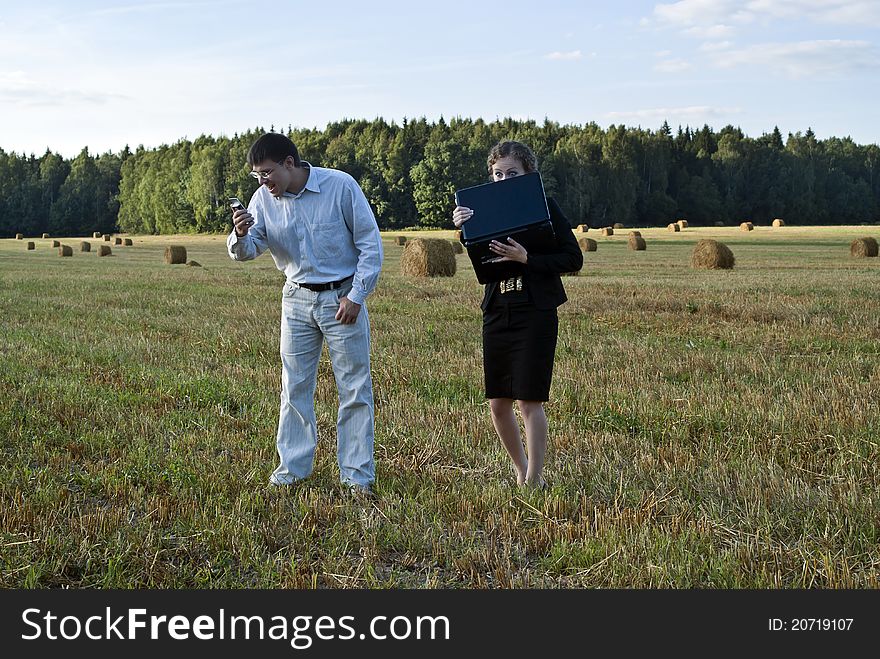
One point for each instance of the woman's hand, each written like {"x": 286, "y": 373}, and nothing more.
{"x": 510, "y": 252}
{"x": 460, "y": 215}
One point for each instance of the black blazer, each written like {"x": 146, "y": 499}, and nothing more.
{"x": 542, "y": 270}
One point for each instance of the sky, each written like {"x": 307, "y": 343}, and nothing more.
{"x": 104, "y": 75}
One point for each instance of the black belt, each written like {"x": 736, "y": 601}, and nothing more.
{"x": 328, "y": 286}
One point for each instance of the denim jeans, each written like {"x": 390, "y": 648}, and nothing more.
{"x": 307, "y": 320}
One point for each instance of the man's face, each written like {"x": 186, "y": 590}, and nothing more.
{"x": 276, "y": 176}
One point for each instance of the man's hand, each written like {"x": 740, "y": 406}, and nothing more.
{"x": 348, "y": 311}
{"x": 510, "y": 252}
{"x": 242, "y": 221}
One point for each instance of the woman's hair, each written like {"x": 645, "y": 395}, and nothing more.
{"x": 272, "y": 146}
{"x": 518, "y": 150}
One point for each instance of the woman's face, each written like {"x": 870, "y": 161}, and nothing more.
{"x": 507, "y": 167}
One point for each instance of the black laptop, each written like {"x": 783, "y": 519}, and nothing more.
{"x": 513, "y": 208}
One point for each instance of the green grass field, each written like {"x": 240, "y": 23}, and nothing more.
{"x": 716, "y": 429}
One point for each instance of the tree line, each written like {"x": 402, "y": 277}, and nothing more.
{"x": 410, "y": 171}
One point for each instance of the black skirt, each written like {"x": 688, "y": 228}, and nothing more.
{"x": 519, "y": 343}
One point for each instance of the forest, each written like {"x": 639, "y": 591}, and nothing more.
{"x": 410, "y": 171}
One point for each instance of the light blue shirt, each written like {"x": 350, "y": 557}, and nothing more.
{"x": 325, "y": 233}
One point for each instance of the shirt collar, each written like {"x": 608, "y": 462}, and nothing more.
{"x": 311, "y": 182}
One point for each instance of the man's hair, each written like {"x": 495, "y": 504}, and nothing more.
{"x": 518, "y": 150}
{"x": 272, "y": 146}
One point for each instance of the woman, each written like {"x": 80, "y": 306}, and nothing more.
{"x": 520, "y": 324}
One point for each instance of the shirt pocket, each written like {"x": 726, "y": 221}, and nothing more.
{"x": 328, "y": 238}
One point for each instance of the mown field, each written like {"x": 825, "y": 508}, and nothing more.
{"x": 713, "y": 429}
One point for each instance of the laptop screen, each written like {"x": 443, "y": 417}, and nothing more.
{"x": 503, "y": 206}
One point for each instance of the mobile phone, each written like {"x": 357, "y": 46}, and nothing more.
{"x": 236, "y": 204}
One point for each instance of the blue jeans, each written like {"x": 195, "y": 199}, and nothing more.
{"x": 307, "y": 320}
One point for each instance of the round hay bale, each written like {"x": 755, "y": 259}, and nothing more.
{"x": 106, "y": 237}
{"x": 427, "y": 257}
{"x": 127, "y": 242}
{"x": 457, "y": 247}
{"x": 65, "y": 250}
{"x": 175, "y": 254}
{"x": 400, "y": 240}
{"x": 673, "y": 226}
{"x": 712, "y": 255}
{"x": 31, "y": 245}
{"x": 588, "y": 244}
{"x": 96, "y": 234}
{"x": 56, "y": 243}
{"x": 746, "y": 226}
{"x": 45, "y": 235}
{"x": 458, "y": 235}
{"x": 778, "y": 222}
{"x": 637, "y": 243}
{"x": 863, "y": 247}
{"x": 635, "y": 233}
{"x": 104, "y": 250}
{"x": 117, "y": 241}
{"x": 683, "y": 223}
{"x": 583, "y": 228}
{"x": 85, "y": 246}
{"x": 19, "y": 236}
{"x": 193, "y": 264}
{"x": 617, "y": 225}
{"x": 608, "y": 231}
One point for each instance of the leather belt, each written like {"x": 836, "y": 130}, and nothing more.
{"x": 328, "y": 286}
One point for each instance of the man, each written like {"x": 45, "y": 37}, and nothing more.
{"x": 320, "y": 230}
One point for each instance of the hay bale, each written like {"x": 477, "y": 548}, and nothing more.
{"x": 673, "y": 226}
{"x": 400, "y": 240}
{"x": 175, "y": 254}
{"x": 863, "y": 247}
{"x": 637, "y": 242}
{"x": 65, "y": 250}
{"x": 96, "y": 234}
{"x": 458, "y": 235}
{"x": 682, "y": 223}
{"x": 635, "y": 233}
{"x": 588, "y": 244}
{"x": 56, "y": 243}
{"x": 19, "y": 236}
{"x": 617, "y": 225}
{"x": 193, "y": 264}
{"x": 106, "y": 237}
{"x": 117, "y": 241}
{"x": 104, "y": 250}
{"x": 608, "y": 231}
{"x": 712, "y": 255}
{"x": 127, "y": 242}
{"x": 427, "y": 257}
{"x": 45, "y": 235}
{"x": 583, "y": 228}
{"x": 31, "y": 245}
{"x": 778, "y": 222}
{"x": 746, "y": 226}
{"x": 85, "y": 246}
{"x": 457, "y": 247}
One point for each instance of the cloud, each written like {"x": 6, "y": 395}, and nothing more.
{"x": 709, "y": 19}
{"x": 17, "y": 89}
{"x": 687, "y": 113}
{"x": 672, "y": 66}
{"x": 557, "y": 55}
{"x": 803, "y": 58}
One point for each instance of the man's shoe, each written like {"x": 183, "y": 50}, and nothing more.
{"x": 360, "y": 492}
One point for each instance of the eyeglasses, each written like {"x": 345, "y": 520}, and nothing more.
{"x": 264, "y": 173}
